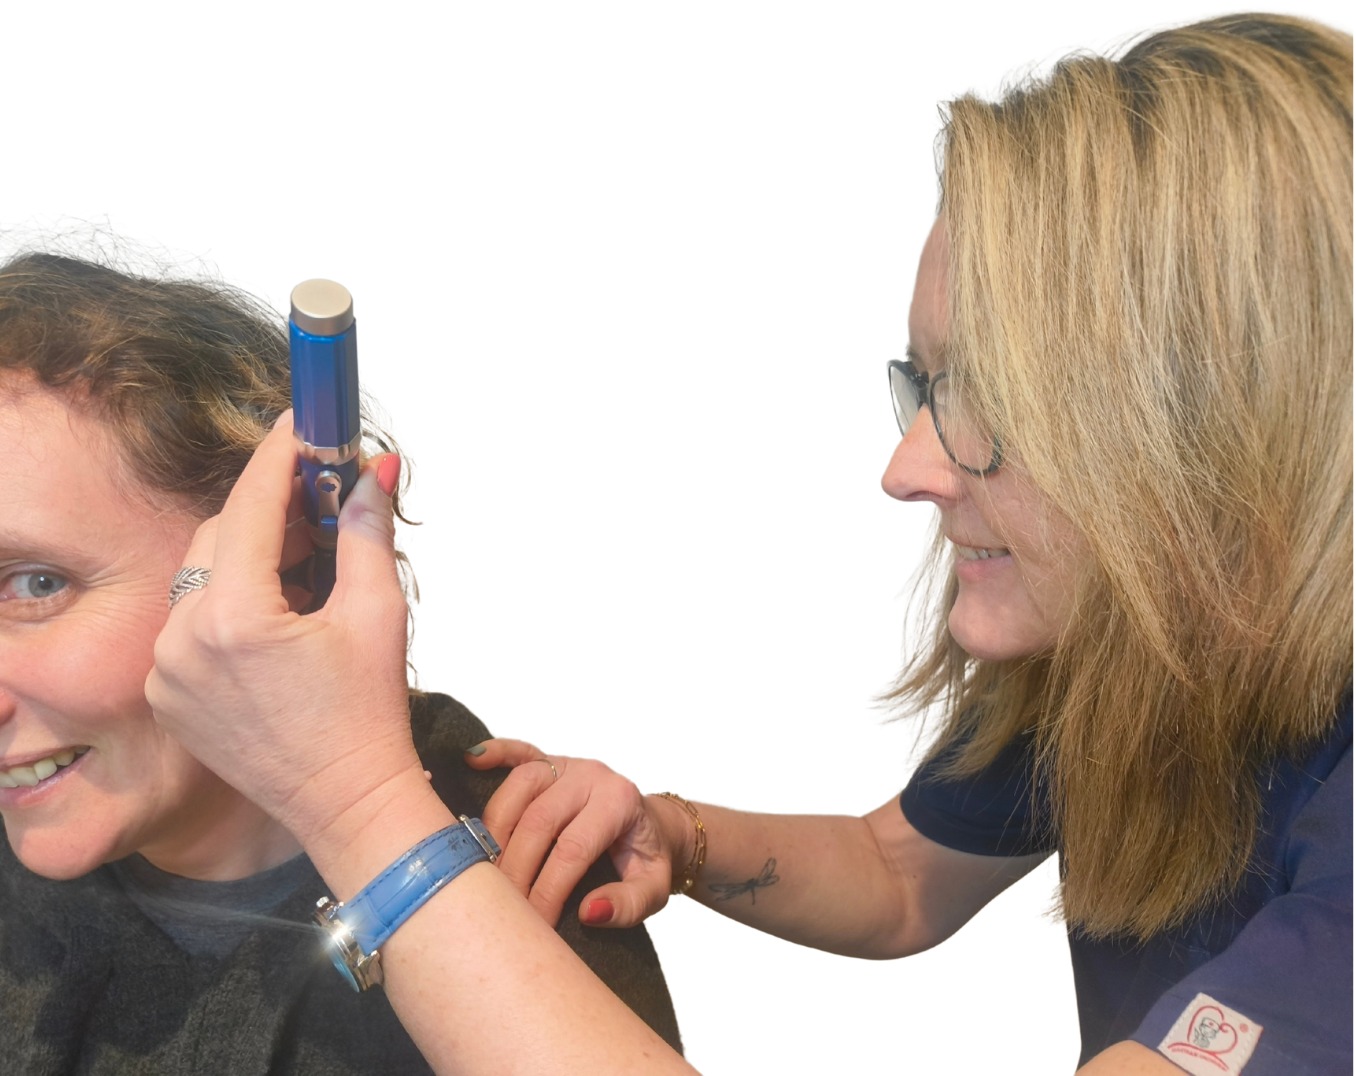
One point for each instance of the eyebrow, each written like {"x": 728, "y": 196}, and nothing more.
{"x": 941, "y": 359}
{"x": 43, "y": 549}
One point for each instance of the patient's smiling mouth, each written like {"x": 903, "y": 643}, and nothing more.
{"x": 30, "y": 774}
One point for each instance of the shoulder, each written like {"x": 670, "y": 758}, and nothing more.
{"x": 440, "y": 721}
{"x": 1277, "y": 956}
{"x": 443, "y": 729}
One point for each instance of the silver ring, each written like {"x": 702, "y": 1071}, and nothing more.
{"x": 186, "y": 580}
{"x": 554, "y": 775}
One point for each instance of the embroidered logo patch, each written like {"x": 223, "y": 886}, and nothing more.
{"x": 1209, "y": 1038}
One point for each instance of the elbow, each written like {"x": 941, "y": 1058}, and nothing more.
{"x": 909, "y": 934}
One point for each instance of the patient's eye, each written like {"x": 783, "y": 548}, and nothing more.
{"x": 31, "y": 585}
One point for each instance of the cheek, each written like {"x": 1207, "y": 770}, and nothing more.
{"x": 1045, "y": 546}
{"x": 1021, "y": 611}
{"x": 1049, "y": 586}
{"x": 1052, "y": 594}
{"x": 97, "y": 667}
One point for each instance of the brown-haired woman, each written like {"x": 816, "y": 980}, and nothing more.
{"x": 1128, "y": 393}
{"x": 151, "y": 917}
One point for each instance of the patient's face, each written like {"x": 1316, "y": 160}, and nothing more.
{"x": 86, "y": 775}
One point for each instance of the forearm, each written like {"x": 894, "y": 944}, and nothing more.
{"x": 870, "y": 887}
{"x": 479, "y": 981}
{"x": 822, "y": 881}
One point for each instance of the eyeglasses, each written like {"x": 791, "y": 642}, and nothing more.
{"x": 972, "y": 446}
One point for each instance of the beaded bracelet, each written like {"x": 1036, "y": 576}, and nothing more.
{"x": 688, "y": 879}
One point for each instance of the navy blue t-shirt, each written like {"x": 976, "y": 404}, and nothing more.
{"x": 1277, "y": 956}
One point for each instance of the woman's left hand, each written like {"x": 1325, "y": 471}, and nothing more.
{"x": 305, "y": 715}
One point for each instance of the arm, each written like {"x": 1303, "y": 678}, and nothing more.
{"x": 625, "y": 960}
{"x": 1129, "y": 1059}
{"x": 869, "y": 887}
{"x": 872, "y": 887}
{"x": 308, "y": 717}
{"x": 465, "y": 973}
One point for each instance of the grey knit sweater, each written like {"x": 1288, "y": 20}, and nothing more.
{"x": 88, "y": 984}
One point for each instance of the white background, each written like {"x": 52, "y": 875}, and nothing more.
{"x": 627, "y": 276}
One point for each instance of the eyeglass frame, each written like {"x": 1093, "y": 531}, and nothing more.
{"x": 924, "y": 390}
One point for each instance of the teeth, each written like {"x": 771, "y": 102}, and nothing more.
{"x": 30, "y": 775}
{"x": 969, "y": 553}
{"x": 22, "y": 776}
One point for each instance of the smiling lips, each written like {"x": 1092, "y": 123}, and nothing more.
{"x": 31, "y": 774}
{"x": 966, "y": 552}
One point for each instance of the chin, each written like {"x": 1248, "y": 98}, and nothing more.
{"x": 989, "y": 638}
{"x": 53, "y": 854}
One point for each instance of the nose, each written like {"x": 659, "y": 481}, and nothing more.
{"x": 920, "y": 469}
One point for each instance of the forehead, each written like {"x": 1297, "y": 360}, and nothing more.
{"x": 928, "y": 311}
{"x": 68, "y": 495}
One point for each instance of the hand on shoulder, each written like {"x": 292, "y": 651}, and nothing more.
{"x": 555, "y": 816}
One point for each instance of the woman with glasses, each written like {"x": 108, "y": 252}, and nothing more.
{"x": 1128, "y": 396}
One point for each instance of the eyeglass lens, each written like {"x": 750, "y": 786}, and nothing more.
{"x": 966, "y": 439}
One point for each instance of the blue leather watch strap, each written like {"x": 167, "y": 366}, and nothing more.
{"x": 395, "y": 894}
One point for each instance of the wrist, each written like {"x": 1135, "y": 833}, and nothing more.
{"x": 358, "y": 929}
{"x": 365, "y": 836}
{"x": 351, "y": 777}
{"x": 685, "y": 836}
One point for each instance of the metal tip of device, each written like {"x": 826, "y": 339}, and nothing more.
{"x": 322, "y": 307}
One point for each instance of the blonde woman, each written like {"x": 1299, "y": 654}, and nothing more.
{"x": 1128, "y": 395}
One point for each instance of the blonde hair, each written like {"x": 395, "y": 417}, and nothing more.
{"x": 1150, "y": 302}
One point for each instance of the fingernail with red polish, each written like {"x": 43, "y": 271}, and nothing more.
{"x": 388, "y": 474}
{"x": 599, "y": 911}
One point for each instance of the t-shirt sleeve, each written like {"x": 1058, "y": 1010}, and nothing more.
{"x": 993, "y": 813}
{"x": 1288, "y": 971}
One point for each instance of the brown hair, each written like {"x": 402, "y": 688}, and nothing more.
{"x": 1150, "y": 301}
{"x": 188, "y": 374}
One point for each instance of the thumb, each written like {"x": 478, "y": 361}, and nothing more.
{"x": 366, "y": 557}
{"x": 626, "y": 903}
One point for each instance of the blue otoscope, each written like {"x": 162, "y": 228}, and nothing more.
{"x": 325, "y": 416}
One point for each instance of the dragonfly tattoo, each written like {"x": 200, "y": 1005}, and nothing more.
{"x": 729, "y": 890}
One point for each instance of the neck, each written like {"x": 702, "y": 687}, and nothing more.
{"x": 221, "y": 837}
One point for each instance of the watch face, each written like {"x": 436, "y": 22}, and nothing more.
{"x": 359, "y": 970}
{"x": 342, "y": 965}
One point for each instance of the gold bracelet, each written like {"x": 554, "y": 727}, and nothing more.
{"x": 689, "y": 876}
